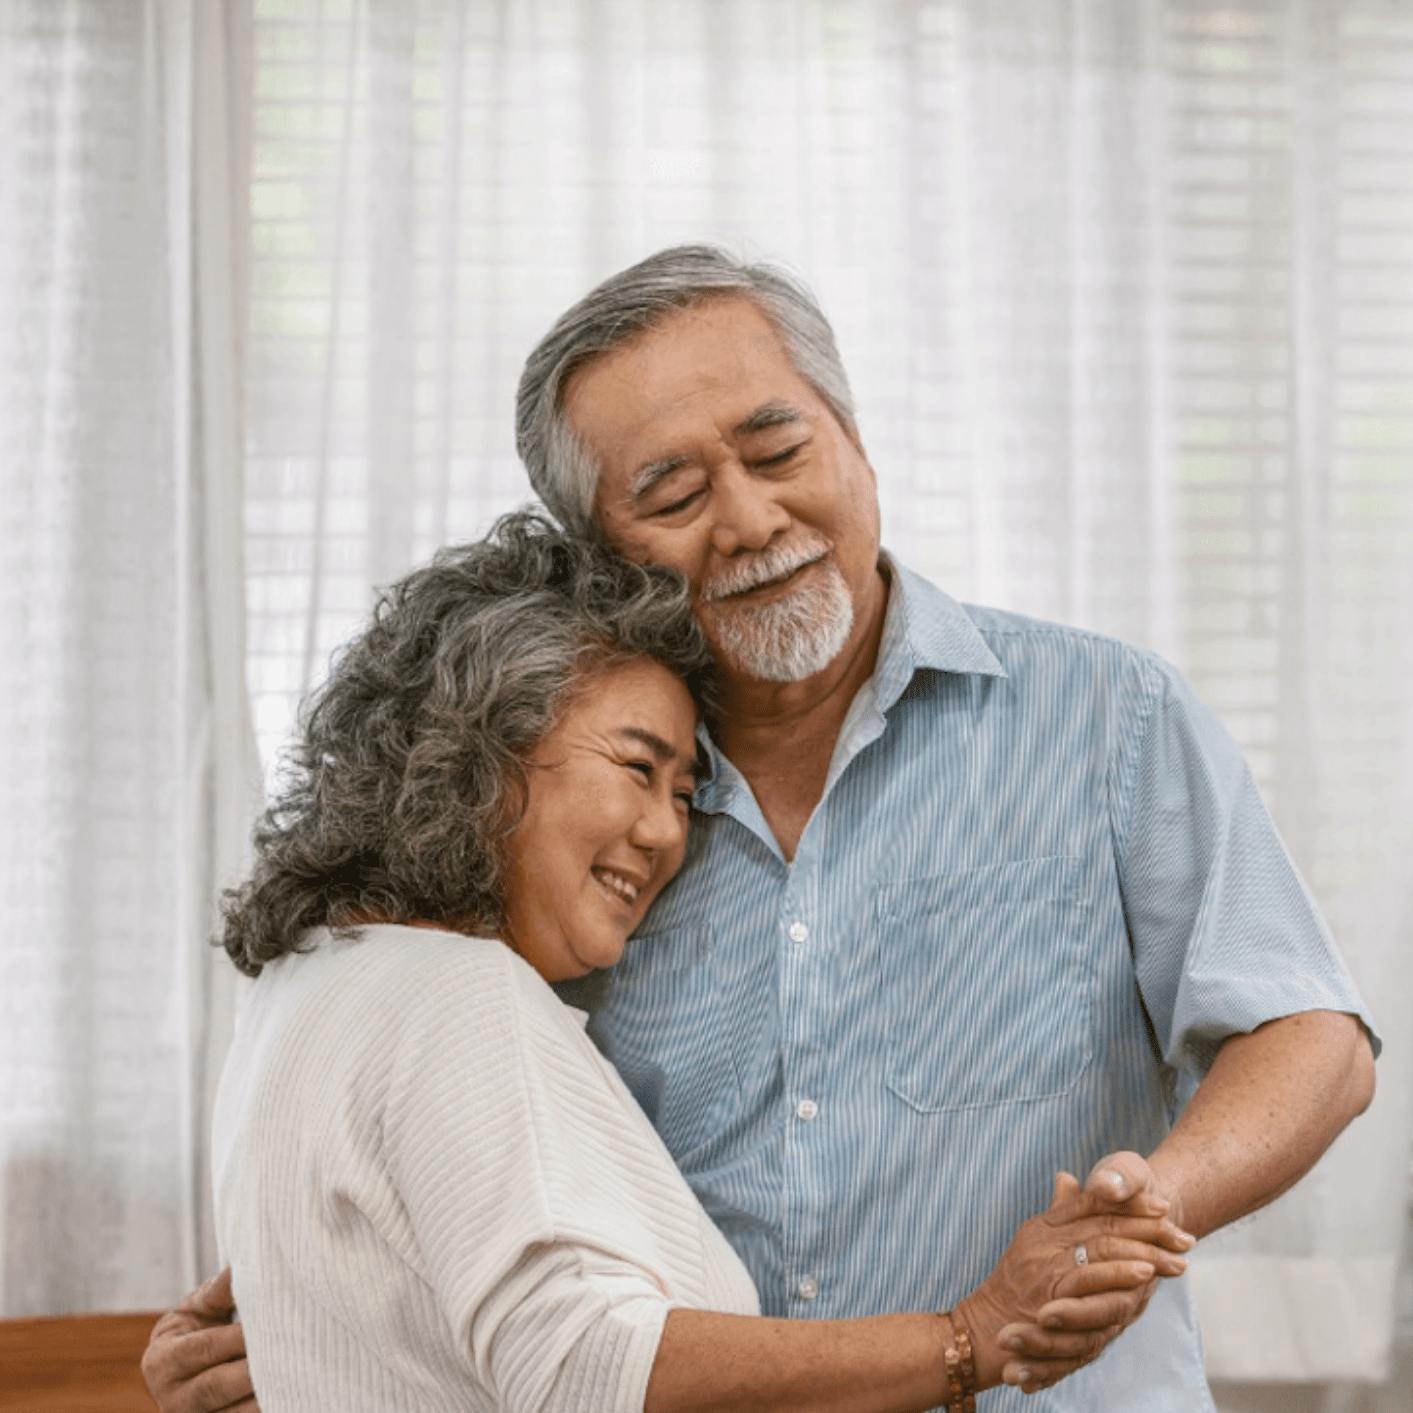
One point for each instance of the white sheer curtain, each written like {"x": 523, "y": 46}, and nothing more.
{"x": 129, "y": 758}
{"x": 1126, "y": 291}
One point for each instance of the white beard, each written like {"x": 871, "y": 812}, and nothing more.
{"x": 788, "y": 640}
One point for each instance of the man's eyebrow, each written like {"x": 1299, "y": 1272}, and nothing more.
{"x": 655, "y": 471}
{"x": 768, "y": 414}
{"x": 663, "y": 751}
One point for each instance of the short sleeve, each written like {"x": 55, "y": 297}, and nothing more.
{"x": 1225, "y": 934}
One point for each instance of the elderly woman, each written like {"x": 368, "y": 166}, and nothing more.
{"x": 434, "y": 1192}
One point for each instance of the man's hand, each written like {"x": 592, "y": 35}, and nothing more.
{"x": 1124, "y": 1183}
{"x": 1271, "y": 1104}
{"x": 195, "y": 1358}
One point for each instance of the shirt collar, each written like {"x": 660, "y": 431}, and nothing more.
{"x": 923, "y": 628}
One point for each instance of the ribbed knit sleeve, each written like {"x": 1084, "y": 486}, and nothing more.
{"x": 487, "y": 1066}
{"x": 439, "y": 1190}
{"x": 604, "y": 1333}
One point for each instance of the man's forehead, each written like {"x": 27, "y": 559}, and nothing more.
{"x": 723, "y": 362}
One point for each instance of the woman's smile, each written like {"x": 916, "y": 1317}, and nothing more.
{"x": 617, "y": 884}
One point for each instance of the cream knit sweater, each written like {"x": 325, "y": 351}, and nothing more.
{"x": 436, "y": 1194}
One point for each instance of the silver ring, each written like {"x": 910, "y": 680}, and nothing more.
{"x": 1081, "y": 1255}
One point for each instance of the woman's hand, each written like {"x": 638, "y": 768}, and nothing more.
{"x": 1041, "y": 1314}
{"x": 195, "y": 1357}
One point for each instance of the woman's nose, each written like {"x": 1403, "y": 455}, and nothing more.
{"x": 662, "y": 825}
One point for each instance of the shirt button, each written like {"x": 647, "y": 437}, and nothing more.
{"x": 799, "y": 932}
{"x": 808, "y": 1288}
{"x": 807, "y": 1109}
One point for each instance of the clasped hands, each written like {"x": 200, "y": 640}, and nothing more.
{"x": 1076, "y": 1276}
{"x": 1039, "y": 1316}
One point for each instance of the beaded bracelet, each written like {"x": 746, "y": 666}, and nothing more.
{"x": 961, "y": 1366}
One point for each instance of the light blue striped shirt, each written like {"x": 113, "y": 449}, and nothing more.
{"x": 1039, "y": 891}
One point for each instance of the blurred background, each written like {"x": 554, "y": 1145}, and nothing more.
{"x": 1125, "y": 289}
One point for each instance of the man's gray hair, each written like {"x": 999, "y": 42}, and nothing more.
{"x": 628, "y": 304}
{"x": 409, "y": 770}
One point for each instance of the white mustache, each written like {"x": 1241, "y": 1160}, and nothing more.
{"x": 766, "y": 567}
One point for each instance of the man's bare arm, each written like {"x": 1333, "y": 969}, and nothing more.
{"x": 195, "y": 1358}
{"x": 1271, "y": 1104}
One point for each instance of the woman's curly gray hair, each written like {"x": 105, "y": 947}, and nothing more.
{"x": 407, "y": 775}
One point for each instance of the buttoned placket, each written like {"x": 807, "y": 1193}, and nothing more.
{"x": 806, "y": 964}
{"x": 803, "y": 1068}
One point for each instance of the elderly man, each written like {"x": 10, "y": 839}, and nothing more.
{"x": 970, "y": 898}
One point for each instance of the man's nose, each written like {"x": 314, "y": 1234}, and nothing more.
{"x": 747, "y": 514}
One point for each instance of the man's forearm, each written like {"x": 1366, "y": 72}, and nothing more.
{"x": 1271, "y": 1104}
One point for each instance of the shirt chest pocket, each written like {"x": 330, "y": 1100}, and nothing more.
{"x": 986, "y": 985}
